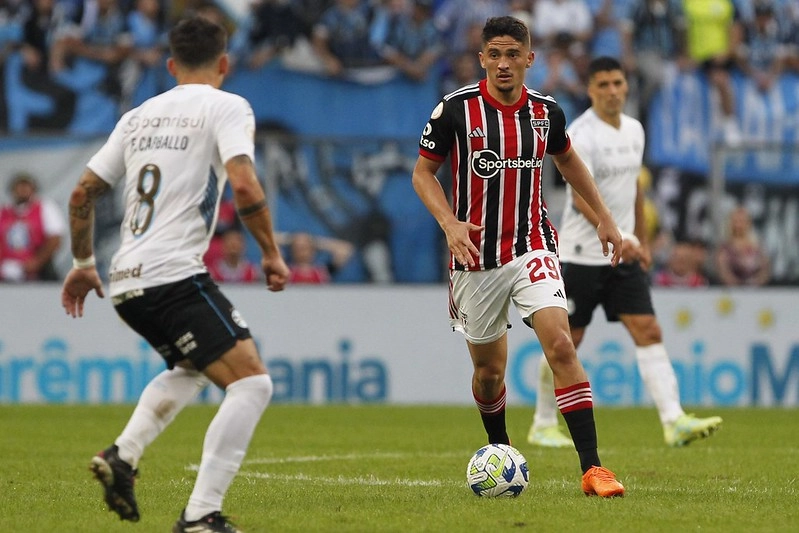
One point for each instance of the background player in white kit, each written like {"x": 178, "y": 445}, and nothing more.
{"x": 503, "y": 246}
{"x": 612, "y": 146}
{"x": 161, "y": 153}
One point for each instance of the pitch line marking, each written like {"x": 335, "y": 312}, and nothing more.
{"x": 342, "y": 457}
{"x": 339, "y": 480}
{"x": 360, "y": 480}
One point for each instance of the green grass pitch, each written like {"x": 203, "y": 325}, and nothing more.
{"x": 402, "y": 469}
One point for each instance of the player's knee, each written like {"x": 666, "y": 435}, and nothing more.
{"x": 489, "y": 377}
{"x": 648, "y": 332}
{"x": 259, "y": 388}
{"x": 561, "y": 351}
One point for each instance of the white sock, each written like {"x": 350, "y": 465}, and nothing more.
{"x": 160, "y": 401}
{"x": 226, "y": 443}
{"x": 660, "y": 380}
{"x": 546, "y": 410}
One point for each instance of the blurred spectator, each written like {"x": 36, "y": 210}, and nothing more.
{"x": 341, "y": 38}
{"x": 559, "y": 21}
{"x": 274, "y": 27}
{"x": 309, "y": 13}
{"x": 40, "y": 25}
{"x": 713, "y": 33}
{"x": 407, "y": 38}
{"x": 683, "y": 269}
{"x": 607, "y": 20}
{"x": 233, "y": 266}
{"x": 305, "y": 251}
{"x": 456, "y": 20}
{"x": 761, "y": 55}
{"x": 12, "y": 16}
{"x": 238, "y": 40}
{"x": 31, "y": 229}
{"x": 653, "y": 36}
{"x": 96, "y": 34}
{"x": 556, "y": 75}
{"x": 740, "y": 259}
{"x": 464, "y": 69}
{"x": 788, "y": 15}
{"x": 148, "y": 56}
{"x": 522, "y": 10}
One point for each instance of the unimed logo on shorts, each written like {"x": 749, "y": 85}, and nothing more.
{"x": 486, "y": 163}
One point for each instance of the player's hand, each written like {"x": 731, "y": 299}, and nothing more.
{"x": 610, "y": 236}
{"x": 459, "y": 243}
{"x": 630, "y": 251}
{"x": 276, "y": 272}
{"x": 78, "y": 283}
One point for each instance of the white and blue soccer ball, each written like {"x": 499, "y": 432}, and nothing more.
{"x": 497, "y": 470}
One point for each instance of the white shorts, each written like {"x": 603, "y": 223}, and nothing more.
{"x": 479, "y": 300}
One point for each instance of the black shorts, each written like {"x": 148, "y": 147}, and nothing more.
{"x": 188, "y": 319}
{"x": 623, "y": 290}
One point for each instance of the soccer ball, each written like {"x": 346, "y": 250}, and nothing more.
{"x": 497, "y": 470}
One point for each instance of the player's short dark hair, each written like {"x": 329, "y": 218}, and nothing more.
{"x": 603, "y": 64}
{"x": 510, "y": 26}
{"x": 195, "y": 42}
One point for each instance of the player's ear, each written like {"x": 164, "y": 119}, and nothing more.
{"x": 224, "y": 64}
{"x": 530, "y": 59}
{"x": 170, "y": 66}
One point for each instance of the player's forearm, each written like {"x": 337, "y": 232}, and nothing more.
{"x": 258, "y": 220}
{"x": 81, "y": 214}
{"x": 432, "y": 195}
{"x": 251, "y": 205}
{"x": 584, "y": 209}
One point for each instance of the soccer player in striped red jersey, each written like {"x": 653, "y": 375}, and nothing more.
{"x": 503, "y": 246}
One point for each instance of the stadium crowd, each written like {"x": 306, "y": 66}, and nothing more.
{"x": 372, "y": 40}
{"x": 58, "y": 47}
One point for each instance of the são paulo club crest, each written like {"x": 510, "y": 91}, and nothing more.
{"x": 540, "y": 128}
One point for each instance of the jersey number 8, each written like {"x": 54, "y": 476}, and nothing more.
{"x": 147, "y": 187}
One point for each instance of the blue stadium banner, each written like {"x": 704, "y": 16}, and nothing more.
{"x": 685, "y": 121}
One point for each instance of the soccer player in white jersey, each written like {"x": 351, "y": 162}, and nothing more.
{"x": 162, "y": 154}
{"x": 612, "y": 146}
{"x": 503, "y": 246}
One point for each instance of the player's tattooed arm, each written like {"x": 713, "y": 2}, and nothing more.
{"x": 248, "y": 194}
{"x": 90, "y": 187}
{"x": 81, "y": 212}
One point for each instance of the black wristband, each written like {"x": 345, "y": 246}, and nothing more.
{"x": 251, "y": 209}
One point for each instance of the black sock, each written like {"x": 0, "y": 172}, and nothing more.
{"x": 583, "y": 430}
{"x": 494, "y": 425}
{"x": 493, "y": 415}
{"x": 577, "y": 407}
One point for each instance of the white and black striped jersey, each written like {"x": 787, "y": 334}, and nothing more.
{"x": 497, "y": 154}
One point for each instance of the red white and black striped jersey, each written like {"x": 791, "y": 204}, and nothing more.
{"x": 497, "y": 154}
